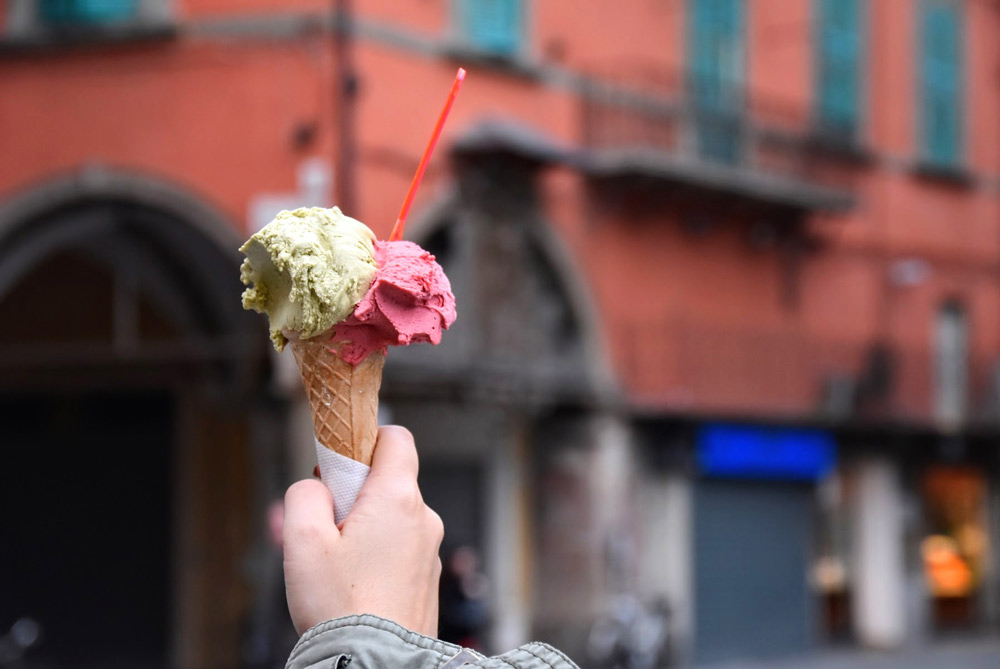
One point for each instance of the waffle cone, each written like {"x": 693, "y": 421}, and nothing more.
{"x": 343, "y": 398}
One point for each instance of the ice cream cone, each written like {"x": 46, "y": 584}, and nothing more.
{"x": 343, "y": 398}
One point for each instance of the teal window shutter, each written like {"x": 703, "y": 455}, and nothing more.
{"x": 715, "y": 66}
{"x": 838, "y": 39}
{"x": 86, "y": 12}
{"x": 941, "y": 83}
{"x": 494, "y": 26}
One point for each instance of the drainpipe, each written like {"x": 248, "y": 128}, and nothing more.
{"x": 345, "y": 96}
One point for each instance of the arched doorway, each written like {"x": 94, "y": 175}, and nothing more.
{"x": 128, "y": 372}
{"x": 519, "y": 381}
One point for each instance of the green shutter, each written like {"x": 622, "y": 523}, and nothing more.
{"x": 495, "y": 26}
{"x": 86, "y": 12}
{"x": 715, "y": 58}
{"x": 839, "y": 46}
{"x": 941, "y": 83}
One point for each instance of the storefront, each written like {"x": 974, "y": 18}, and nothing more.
{"x": 954, "y": 547}
{"x": 903, "y": 547}
{"x": 754, "y": 527}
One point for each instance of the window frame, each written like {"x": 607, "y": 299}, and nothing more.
{"x": 924, "y": 154}
{"x": 859, "y": 132}
{"x": 952, "y": 358}
{"x": 22, "y": 25}
{"x": 460, "y": 35}
{"x": 740, "y": 81}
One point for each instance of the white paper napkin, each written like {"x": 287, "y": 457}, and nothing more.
{"x": 343, "y": 478}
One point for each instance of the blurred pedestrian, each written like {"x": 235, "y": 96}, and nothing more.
{"x": 464, "y": 604}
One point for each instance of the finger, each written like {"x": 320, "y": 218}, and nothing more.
{"x": 395, "y": 455}
{"x": 308, "y": 511}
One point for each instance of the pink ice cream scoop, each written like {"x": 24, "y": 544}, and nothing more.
{"x": 409, "y": 301}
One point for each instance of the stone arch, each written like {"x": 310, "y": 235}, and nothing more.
{"x": 164, "y": 386}
{"x": 150, "y": 237}
{"x": 97, "y": 182}
{"x": 552, "y": 258}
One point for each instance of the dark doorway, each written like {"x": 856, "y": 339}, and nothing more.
{"x": 85, "y": 489}
{"x": 456, "y": 491}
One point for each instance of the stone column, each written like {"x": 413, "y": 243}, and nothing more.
{"x": 666, "y": 561}
{"x": 611, "y": 483}
{"x": 879, "y": 602}
{"x": 509, "y": 540}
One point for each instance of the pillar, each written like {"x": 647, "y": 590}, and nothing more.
{"x": 666, "y": 564}
{"x": 509, "y": 540}
{"x": 879, "y": 601}
{"x": 611, "y": 483}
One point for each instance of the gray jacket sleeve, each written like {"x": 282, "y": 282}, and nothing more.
{"x": 369, "y": 642}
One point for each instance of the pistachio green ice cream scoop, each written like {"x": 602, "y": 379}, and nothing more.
{"x": 307, "y": 269}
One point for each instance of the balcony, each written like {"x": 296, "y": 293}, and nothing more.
{"x": 686, "y": 368}
{"x": 718, "y": 140}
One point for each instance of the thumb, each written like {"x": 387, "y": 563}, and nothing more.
{"x": 395, "y": 457}
{"x": 393, "y": 473}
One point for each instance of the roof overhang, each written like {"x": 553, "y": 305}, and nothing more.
{"x": 713, "y": 179}
{"x": 512, "y": 138}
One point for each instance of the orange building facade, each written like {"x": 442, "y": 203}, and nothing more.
{"x": 660, "y": 219}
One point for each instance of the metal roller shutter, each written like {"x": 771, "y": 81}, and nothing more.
{"x": 751, "y": 549}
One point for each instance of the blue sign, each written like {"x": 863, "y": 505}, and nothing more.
{"x": 774, "y": 453}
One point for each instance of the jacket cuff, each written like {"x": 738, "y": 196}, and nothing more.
{"x": 370, "y": 642}
{"x": 533, "y": 655}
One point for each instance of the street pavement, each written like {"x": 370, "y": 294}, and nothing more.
{"x": 972, "y": 654}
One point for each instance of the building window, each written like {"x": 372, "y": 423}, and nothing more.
{"x": 839, "y": 42}
{"x": 952, "y": 365}
{"x": 38, "y": 22}
{"x": 86, "y": 12}
{"x": 941, "y": 82}
{"x": 492, "y": 26}
{"x": 716, "y": 65}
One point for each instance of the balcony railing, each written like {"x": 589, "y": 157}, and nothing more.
{"x": 726, "y": 130}
{"x": 687, "y": 368}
